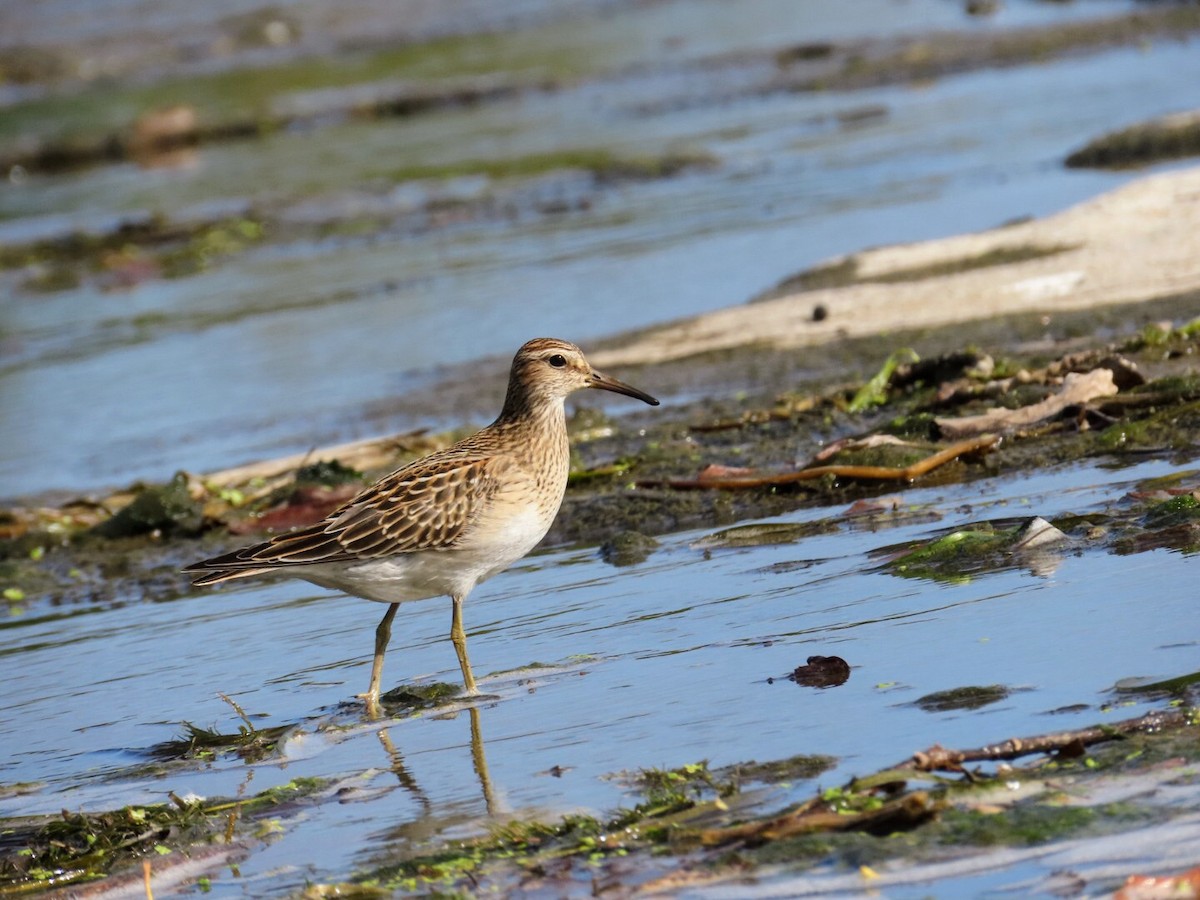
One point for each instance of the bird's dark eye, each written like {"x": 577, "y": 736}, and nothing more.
{"x": 557, "y": 360}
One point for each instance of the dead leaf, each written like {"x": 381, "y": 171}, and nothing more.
{"x": 1077, "y": 389}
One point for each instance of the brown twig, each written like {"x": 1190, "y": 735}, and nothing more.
{"x": 866, "y": 473}
{"x": 940, "y": 758}
{"x": 913, "y": 808}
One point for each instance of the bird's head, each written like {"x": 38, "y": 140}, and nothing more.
{"x": 547, "y": 369}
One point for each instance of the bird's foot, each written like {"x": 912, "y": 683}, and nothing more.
{"x": 371, "y": 702}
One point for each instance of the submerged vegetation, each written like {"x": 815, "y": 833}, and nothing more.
{"x": 75, "y": 848}
{"x": 248, "y": 742}
{"x": 716, "y": 823}
{"x": 603, "y": 164}
{"x": 698, "y": 824}
{"x": 133, "y": 251}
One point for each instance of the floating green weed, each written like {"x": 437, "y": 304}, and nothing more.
{"x": 627, "y": 548}
{"x": 970, "y": 697}
{"x": 670, "y": 789}
{"x": 1175, "y": 511}
{"x": 1024, "y": 825}
{"x": 248, "y": 742}
{"x": 421, "y": 696}
{"x": 601, "y": 163}
{"x": 155, "y": 247}
{"x": 794, "y": 768}
{"x": 764, "y": 534}
{"x": 76, "y": 847}
{"x": 848, "y": 802}
{"x": 252, "y": 745}
{"x": 954, "y": 557}
{"x": 875, "y": 391}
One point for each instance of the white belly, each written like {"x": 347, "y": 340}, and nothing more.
{"x": 434, "y": 573}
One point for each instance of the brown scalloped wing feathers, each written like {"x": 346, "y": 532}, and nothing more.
{"x": 426, "y": 505}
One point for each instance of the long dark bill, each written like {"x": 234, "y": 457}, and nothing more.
{"x": 604, "y": 383}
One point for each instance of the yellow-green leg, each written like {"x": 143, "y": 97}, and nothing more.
{"x": 459, "y": 638}
{"x": 383, "y": 634}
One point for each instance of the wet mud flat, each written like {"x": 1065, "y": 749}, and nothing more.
{"x": 765, "y": 412}
{"x": 711, "y": 464}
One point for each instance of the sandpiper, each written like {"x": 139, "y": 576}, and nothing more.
{"x": 442, "y": 524}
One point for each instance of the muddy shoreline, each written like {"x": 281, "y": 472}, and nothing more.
{"x": 769, "y": 410}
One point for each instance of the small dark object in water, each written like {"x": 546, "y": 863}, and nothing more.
{"x": 627, "y": 548}
{"x": 982, "y": 7}
{"x": 804, "y": 53}
{"x": 822, "y": 671}
{"x": 970, "y": 697}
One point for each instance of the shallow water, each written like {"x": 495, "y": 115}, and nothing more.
{"x": 283, "y": 347}
{"x": 660, "y": 664}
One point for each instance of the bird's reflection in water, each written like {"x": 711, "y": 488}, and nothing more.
{"x": 403, "y": 775}
{"x": 478, "y": 762}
